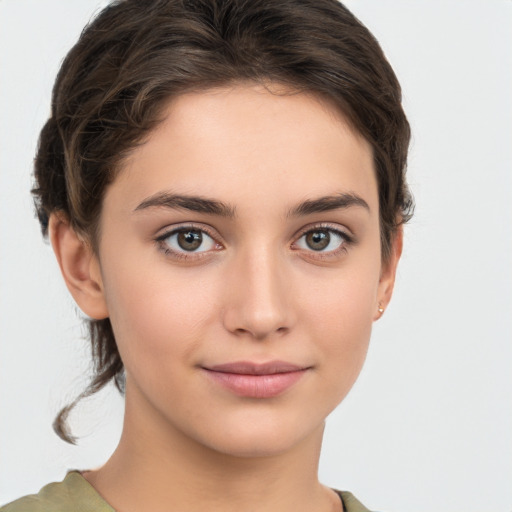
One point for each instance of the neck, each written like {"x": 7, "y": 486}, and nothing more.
{"x": 156, "y": 467}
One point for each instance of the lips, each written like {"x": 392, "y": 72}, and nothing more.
{"x": 253, "y": 380}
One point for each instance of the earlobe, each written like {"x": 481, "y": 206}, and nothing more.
{"x": 79, "y": 266}
{"x": 388, "y": 275}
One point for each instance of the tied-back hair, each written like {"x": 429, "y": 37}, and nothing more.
{"x": 137, "y": 54}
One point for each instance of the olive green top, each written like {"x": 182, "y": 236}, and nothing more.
{"x": 75, "y": 494}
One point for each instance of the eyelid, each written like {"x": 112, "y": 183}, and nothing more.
{"x": 171, "y": 230}
{"x": 167, "y": 231}
{"x": 343, "y": 232}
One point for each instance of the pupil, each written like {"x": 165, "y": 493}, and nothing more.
{"x": 318, "y": 240}
{"x": 190, "y": 240}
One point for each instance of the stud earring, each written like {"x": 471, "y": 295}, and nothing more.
{"x": 381, "y": 309}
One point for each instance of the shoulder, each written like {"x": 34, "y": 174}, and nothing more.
{"x": 73, "y": 493}
{"x": 350, "y": 502}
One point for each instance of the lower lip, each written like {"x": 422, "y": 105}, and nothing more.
{"x": 257, "y": 386}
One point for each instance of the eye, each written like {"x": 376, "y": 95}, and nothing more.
{"x": 187, "y": 240}
{"x": 326, "y": 240}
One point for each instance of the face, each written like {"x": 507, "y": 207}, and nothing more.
{"x": 240, "y": 264}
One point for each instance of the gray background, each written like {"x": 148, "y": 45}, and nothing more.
{"x": 429, "y": 424}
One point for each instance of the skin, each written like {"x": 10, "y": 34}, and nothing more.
{"x": 254, "y": 291}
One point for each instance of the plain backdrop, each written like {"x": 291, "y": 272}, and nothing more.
{"x": 428, "y": 426}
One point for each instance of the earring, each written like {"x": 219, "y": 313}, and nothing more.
{"x": 381, "y": 309}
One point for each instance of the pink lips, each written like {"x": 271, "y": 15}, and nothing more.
{"x": 256, "y": 380}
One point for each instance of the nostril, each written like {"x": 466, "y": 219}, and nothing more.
{"x": 259, "y": 333}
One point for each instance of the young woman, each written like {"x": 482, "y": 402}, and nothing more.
{"x": 223, "y": 184}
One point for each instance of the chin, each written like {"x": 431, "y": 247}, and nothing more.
{"x": 262, "y": 439}
{"x": 251, "y": 449}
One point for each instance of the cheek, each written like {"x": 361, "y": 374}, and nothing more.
{"x": 342, "y": 341}
{"x": 344, "y": 299}
{"x": 343, "y": 319}
{"x": 338, "y": 315}
{"x": 157, "y": 316}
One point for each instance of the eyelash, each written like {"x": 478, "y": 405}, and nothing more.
{"x": 186, "y": 255}
{"x": 347, "y": 240}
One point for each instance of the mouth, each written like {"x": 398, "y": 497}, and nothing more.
{"x": 254, "y": 380}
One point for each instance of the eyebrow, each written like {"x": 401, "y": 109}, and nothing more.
{"x": 215, "y": 207}
{"x": 328, "y": 203}
{"x": 184, "y": 202}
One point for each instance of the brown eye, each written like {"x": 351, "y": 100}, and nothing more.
{"x": 189, "y": 240}
{"x": 318, "y": 240}
{"x": 323, "y": 240}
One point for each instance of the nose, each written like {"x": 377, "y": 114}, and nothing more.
{"x": 258, "y": 296}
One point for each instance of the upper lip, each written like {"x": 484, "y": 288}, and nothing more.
{"x": 249, "y": 368}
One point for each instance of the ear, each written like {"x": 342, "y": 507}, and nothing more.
{"x": 388, "y": 274}
{"x": 79, "y": 266}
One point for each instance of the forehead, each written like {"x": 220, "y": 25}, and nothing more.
{"x": 248, "y": 144}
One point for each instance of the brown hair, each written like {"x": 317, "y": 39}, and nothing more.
{"x": 136, "y": 54}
